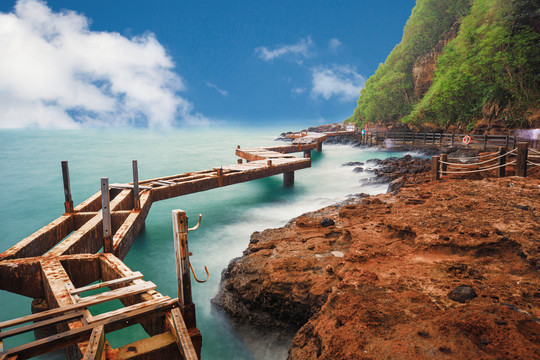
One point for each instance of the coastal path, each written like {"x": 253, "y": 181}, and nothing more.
{"x": 82, "y": 250}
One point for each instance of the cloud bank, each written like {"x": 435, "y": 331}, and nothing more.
{"x": 340, "y": 81}
{"x": 55, "y": 72}
{"x": 301, "y": 48}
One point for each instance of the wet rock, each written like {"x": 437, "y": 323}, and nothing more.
{"x": 462, "y": 293}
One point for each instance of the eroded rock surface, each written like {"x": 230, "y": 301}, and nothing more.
{"x": 380, "y": 283}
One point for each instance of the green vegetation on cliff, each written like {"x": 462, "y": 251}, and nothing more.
{"x": 489, "y": 69}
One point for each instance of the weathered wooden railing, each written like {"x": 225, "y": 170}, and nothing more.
{"x": 521, "y": 159}
{"x": 433, "y": 138}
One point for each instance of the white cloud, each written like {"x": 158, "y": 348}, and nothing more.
{"x": 341, "y": 81}
{"x": 55, "y": 72}
{"x": 214, "y": 86}
{"x": 297, "y": 91}
{"x": 334, "y": 44}
{"x": 301, "y": 48}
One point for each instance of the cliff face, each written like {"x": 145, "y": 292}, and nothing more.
{"x": 443, "y": 270}
{"x": 423, "y": 70}
{"x": 467, "y": 65}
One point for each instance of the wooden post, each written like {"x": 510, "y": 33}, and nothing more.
{"x": 440, "y": 139}
{"x": 136, "y": 198}
{"x": 521, "y": 161}
{"x": 502, "y": 162}
{"x": 220, "y": 176}
{"x": 485, "y": 141}
{"x": 452, "y": 140}
{"x": 403, "y": 142}
{"x": 506, "y": 142}
{"x": 106, "y": 213}
{"x": 413, "y": 138}
{"x": 514, "y": 145}
{"x": 288, "y": 179}
{"x": 68, "y": 204}
{"x": 181, "y": 251}
{"x": 307, "y": 154}
{"x": 444, "y": 167}
{"x": 319, "y": 146}
{"x": 435, "y": 168}
{"x": 424, "y": 138}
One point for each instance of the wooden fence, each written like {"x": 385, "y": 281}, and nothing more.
{"x": 521, "y": 158}
{"x": 438, "y": 139}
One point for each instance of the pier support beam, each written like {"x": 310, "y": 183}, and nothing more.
{"x": 136, "y": 198}
{"x": 319, "y": 146}
{"x": 106, "y": 212}
{"x": 68, "y": 204}
{"x": 183, "y": 277}
{"x": 288, "y": 179}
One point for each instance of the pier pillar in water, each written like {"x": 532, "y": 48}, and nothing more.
{"x": 307, "y": 154}
{"x": 288, "y": 179}
{"x": 319, "y": 146}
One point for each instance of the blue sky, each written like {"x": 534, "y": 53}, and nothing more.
{"x": 172, "y": 62}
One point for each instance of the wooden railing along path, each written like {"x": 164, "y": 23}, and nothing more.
{"x": 432, "y": 138}
{"x": 86, "y": 245}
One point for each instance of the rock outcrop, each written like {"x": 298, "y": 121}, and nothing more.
{"x": 440, "y": 270}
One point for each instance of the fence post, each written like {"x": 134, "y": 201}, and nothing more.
{"x": 502, "y": 162}
{"x": 440, "y": 139}
{"x": 68, "y": 204}
{"x": 444, "y": 167}
{"x": 183, "y": 278}
{"x": 106, "y": 213}
{"x": 485, "y": 141}
{"x": 435, "y": 168}
{"x": 514, "y": 145}
{"x": 506, "y": 143}
{"x": 521, "y": 161}
{"x": 424, "y": 138}
{"x": 136, "y": 198}
{"x": 452, "y": 139}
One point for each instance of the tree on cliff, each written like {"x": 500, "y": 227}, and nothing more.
{"x": 491, "y": 68}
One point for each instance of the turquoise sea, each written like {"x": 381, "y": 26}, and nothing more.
{"x": 31, "y": 191}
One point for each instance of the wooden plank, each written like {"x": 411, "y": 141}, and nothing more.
{"x": 127, "y": 309}
{"x": 85, "y": 302}
{"x": 136, "y": 275}
{"x": 73, "y": 336}
{"x": 181, "y": 335}
{"x": 22, "y": 329}
{"x": 96, "y": 344}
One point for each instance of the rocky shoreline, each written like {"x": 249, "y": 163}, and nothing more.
{"x": 429, "y": 270}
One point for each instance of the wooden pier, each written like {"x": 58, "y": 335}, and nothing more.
{"x": 86, "y": 245}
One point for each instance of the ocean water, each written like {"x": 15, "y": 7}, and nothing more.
{"x": 32, "y": 196}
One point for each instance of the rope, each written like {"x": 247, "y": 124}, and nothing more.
{"x": 534, "y": 151}
{"x": 477, "y": 163}
{"x": 532, "y": 163}
{"x": 477, "y": 157}
{"x": 476, "y": 171}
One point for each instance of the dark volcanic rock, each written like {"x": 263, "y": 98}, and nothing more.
{"x": 327, "y": 222}
{"x": 462, "y": 293}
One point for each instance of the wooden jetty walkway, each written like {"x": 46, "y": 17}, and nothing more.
{"x": 82, "y": 250}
